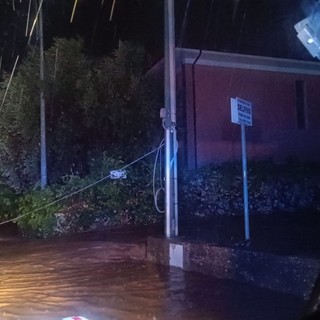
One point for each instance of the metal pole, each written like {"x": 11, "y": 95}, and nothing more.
{"x": 170, "y": 123}
{"x": 175, "y": 182}
{"x": 43, "y": 152}
{"x": 168, "y": 185}
{"x": 245, "y": 183}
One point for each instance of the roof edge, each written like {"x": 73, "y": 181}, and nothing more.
{"x": 242, "y": 61}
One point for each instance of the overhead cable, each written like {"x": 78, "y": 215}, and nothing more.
{"x": 78, "y": 191}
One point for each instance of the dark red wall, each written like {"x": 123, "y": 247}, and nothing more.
{"x": 210, "y": 135}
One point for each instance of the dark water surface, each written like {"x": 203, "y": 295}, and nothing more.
{"x": 92, "y": 277}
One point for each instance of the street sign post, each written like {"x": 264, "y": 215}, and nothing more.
{"x": 241, "y": 113}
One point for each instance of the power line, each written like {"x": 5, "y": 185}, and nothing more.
{"x": 80, "y": 190}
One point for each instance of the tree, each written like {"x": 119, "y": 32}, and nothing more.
{"x": 122, "y": 104}
{"x": 93, "y": 106}
{"x": 19, "y": 129}
{"x": 66, "y": 84}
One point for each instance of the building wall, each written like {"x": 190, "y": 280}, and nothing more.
{"x": 210, "y": 135}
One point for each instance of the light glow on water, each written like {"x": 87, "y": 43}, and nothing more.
{"x": 53, "y": 280}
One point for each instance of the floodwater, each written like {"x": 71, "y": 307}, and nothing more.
{"x": 93, "y": 277}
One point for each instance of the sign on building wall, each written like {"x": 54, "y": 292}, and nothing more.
{"x": 241, "y": 111}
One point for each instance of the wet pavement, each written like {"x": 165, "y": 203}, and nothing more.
{"x": 282, "y": 233}
{"x": 92, "y": 275}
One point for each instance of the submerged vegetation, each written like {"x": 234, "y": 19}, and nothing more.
{"x": 212, "y": 190}
{"x": 111, "y": 202}
{"x": 99, "y": 112}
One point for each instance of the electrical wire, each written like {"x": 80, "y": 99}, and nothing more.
{"x": 175, "y": 152}
{"x": 78, "y": 191}
{"x": 156, "y": 192}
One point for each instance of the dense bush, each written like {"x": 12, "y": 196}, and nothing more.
{"x": 36, "y": 218}
{"x": 208, "y": 191}
{"x": 272, "y": 187}
{"x": 8, "y": 202}
{"x": 110, "y": 202}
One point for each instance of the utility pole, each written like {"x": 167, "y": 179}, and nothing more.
{"x": 171, "y": 184}
{"x": 43, "y": 152}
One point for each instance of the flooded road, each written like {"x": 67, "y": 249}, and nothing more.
{"x": 49, "y": 280}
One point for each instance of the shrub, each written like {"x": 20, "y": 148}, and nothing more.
{"x": 217, "y": 189}
{"x": 8, "y": 202}
{"x": 36, "y": 217}
{"x": 110, "y": 202}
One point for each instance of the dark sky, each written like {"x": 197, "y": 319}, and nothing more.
{"x": 258, "y": 27}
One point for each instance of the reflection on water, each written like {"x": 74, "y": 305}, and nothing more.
{"x": 52, "y": 280}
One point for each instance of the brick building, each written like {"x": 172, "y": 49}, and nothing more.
{"x": 285, "y": 95}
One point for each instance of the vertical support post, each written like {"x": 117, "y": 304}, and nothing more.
{"x": 171, "y": 198}
{"x": 168, "y": 186}
{"x": 245, "y": 183}
{"x": 175, "y": 182}
{"x": 43, "y": 152}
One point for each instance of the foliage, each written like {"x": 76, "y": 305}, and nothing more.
{"x": 100, "y": 114}
{"x": 38, "y": 219}
{"x": 8, "y": 202}
{"x": 121, "y": 105}
{"x": 92, "y": 106}
{"x": 218, "y": 189}
{"x": 109, "y": 202}
{"x": 67, "y": 78}
{"x": 19, "y": 133}
{"x": 210, "y": 190}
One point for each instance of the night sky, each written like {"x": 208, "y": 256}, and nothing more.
{"x": 258, "y": 27}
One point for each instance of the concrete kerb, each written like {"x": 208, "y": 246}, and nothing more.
{"x": 287, "y": 274}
